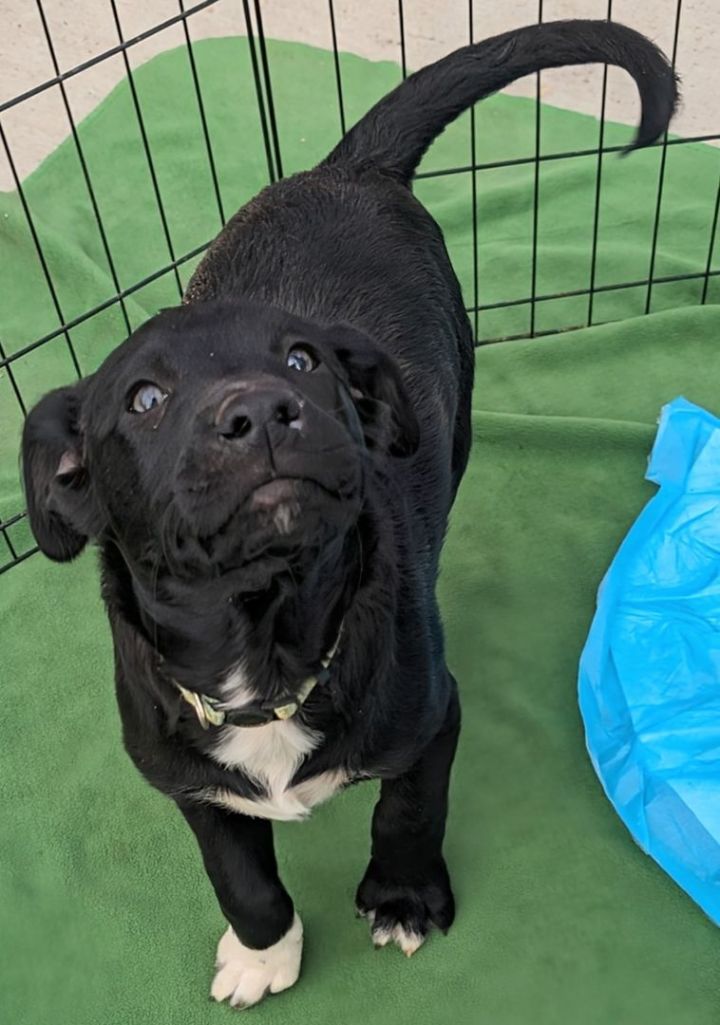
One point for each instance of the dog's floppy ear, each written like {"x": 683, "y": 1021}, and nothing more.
{"x": 378, "y": 393}
{"x": 57, "y": 485}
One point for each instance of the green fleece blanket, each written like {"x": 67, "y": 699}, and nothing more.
{"x": 105, "y": 913}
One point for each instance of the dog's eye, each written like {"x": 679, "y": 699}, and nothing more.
{"x": 146, "y": 396}
{"x": 300, "y": 358}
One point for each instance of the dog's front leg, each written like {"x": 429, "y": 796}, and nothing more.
{"x": 261, "y": 950}
{"x": 406, "y": 887}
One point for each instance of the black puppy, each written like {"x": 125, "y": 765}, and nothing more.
{"x": 268, "y": 471}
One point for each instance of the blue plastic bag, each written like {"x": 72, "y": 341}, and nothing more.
{"x": 649, "y": 682}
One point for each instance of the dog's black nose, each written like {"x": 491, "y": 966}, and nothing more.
{"x": 244, "y": 415}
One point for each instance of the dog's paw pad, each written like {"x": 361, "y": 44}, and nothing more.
{"x": 402, "y": 922}
{"x": 244, "y": 976}
{"x": 403, "y": 913}
{"x": 407, "y": 938}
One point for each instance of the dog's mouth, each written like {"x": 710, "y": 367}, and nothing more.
{"x": 281, "y": 512}
{"x": 277, "y": 492}
{"x": 279, "y": 504}
{"x": 279, "y": 522}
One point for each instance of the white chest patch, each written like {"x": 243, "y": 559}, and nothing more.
{"x": 270, "y": 755}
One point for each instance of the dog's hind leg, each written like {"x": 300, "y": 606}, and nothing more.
{"x": 406, "y": 888}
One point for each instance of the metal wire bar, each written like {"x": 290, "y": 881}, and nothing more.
{"x": 598, "y": 183}
{"x": 146, "y": 147}
{"x": 13, "y": 357}
{"x": 83, "y": 163}
{"x": 201, "y": 111}
{"x": 564, "y": 155}
{"x": 18, "y": 559}
{"x": 614, "y": 287}
{"x": 661, "y": 176}
{"x": 11, "y": 547}
{"x": 15, "y": 556}
{"x": 473, "y": 192}
{"x": 711, "y": 247}
{"x": 268, "y": 88}
{"x": 522, "y": 335}
{"x": 112, "y": 52}
{"x": 41, "y": 255}
{"x": 272, "y": 175}
{"x": 106, "y": 304}
{"x": 536, "y": 190}
{"x": 62, "y": 329}
{"x": 13, "y": 385}
{"x": 403, "y": 58}
{"x": 336, "y": 58}
{"x": 12, "y": 520}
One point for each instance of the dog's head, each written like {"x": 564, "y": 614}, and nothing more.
{"x": 216, "y": 436}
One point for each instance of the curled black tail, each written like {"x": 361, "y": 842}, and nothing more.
{"x": 394, "y": 135}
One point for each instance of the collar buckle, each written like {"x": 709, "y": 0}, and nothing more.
{"x": 205, "y": 707}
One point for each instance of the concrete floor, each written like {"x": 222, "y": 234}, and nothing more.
{"x": 82, "y": 28}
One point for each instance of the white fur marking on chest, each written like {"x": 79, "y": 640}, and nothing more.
{"x": 270, "y": 755}
{"x": 291, "y": 805}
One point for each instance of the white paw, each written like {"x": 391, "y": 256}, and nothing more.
{"x": 407, "y": 939}
{"x": 244, "y": 975}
